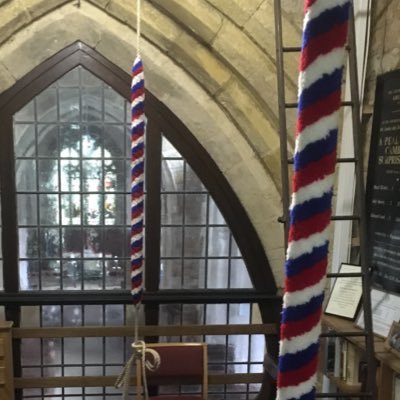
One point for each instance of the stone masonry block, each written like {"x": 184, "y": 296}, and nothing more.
{"x": 198, "y": 16}
{"x": 200, "y": 63}
{"x": 239, "y": 11}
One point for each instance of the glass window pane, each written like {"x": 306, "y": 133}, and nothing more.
{"x": 93, "y": 274}
{"x": 93, "y": 243}
{"x": 47, "y": 140}
{"x": 70, "y": 171}
{"x": 218, "y": 241}
{"x": 93, "y": 349}
{"x": 70, "y": 141}
{"x": 70, "y": 209}
{"x": 196, "y": 209}
{"x": 49, "y": 212}
{"x": 114, "y": 315}
{"x": 195, "y": 242}
{"x": 48, "y": 175}
{"x": 240, "y": 347}
{"x": 51, "y": 353}
{"x": 216, "y": 314}
{"x": 72, "y": 316}
{"x": 193, "y": 274}
{"x": 171, "y": 242}
{"x": 168, "y": 150}
{"x": 25, "y": 171}
{"x": 171, "y": 274}
{"x": 92, "y": 209}
{"x": 69, "y": 104}
{"x": 49, "y": 243}
{"x": 239, "y": 313}
{"x": 193, "y": 314}
{"x": 193, "y": 183}
{"x": 239, "y": 276}
{"x": 92, "y": 174}
{"x": 114, "y": 106}
{"x": 114, "y": 210}
{"x": 172, "y": 175}
{"x": 71, "y": 78}
{"x": 215, "y": 217}
{"x": 28, "y": 243}
{"x": 72, "y": 242}
{"x": 92, "y": 103}
{"x": 92, "y": 141}
{"x": 257, "y": 348}
{"x": 114, "y": 176}
{"x": 46, "y": 105}
{"x": 50, "y": 274}
{"x": 116, "y": 244}
{"x": 217, "y": 274}
{"x": 73, "y": 346}
{"x": 116, "y": 271}
{"x": 88, "y": 79}
{"x": 171, "y": 209}
{"x": 93, "y": 315}
{"x": 27, "y": 113}
{"x": 51, "y": 316}
{"x": 24, "y": 140}
{"x": 27, "y": 209}
{"x": 114, "y": 350}
{"x": 32, "y": 347}
{"x": 29, "y": 275}
{"x": 115, "y": 141}
{"x": 235, "y": 251}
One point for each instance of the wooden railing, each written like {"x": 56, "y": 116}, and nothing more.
{"x": 8, "y": 382}
{"x": 6, "y": 362}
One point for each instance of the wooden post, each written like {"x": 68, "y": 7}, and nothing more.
{"x": 6, "y": 362}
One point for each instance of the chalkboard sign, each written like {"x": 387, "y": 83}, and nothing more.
{"x": 383, "y": 185}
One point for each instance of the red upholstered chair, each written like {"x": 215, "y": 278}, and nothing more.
{"x": 181, "y": 363}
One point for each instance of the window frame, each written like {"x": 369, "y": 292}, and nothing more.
{"x": 161, "y": 119}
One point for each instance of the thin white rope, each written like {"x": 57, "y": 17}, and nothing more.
{"x": 138, "y": 27}
{"x": 136, "y": 319}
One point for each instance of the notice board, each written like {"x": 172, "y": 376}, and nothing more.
{"x": 383, "y": 186}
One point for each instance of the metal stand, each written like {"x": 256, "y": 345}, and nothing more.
{"x": 371, "y": 390}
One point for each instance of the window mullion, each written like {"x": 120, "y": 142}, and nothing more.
{"x": 153, "y": 214}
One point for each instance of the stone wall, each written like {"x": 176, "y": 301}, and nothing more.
{"x": 384, "y": 52}
{"x": 212, "y": 62}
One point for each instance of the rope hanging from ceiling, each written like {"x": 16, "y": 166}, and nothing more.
{"x": 320, "y": 78}
{"x": 138, "y": 122}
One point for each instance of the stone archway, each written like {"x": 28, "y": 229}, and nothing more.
{"x": 211, "y": 97}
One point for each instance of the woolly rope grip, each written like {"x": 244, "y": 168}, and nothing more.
{"x": 321, "y": 69}
{"x": 137, "y": 182}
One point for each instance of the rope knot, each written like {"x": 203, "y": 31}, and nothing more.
{"x": 140, "y": 352}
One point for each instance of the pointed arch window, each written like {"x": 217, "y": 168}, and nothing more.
{"x": 65, "y": 221}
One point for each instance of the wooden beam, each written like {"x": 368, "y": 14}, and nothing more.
{"x": 104, "y": 381}
{"x": 152, "y": 330}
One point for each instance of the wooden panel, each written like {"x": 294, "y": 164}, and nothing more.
{"x": 6, "y": 361}
{"x": 384, "y": 382}
{"x": 345, "y": 387}
{"x": 160, "y": 330}
{"x": 99, "y": 381}
{"x": 5, "y": 326}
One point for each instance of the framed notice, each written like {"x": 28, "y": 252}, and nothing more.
{"x": 345, "y": 296}
{"x": 383, "y": 186}
{"x": 392, "y": 342}
{"x": 385, "y": 309}
{"x": 396, "y": 387}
